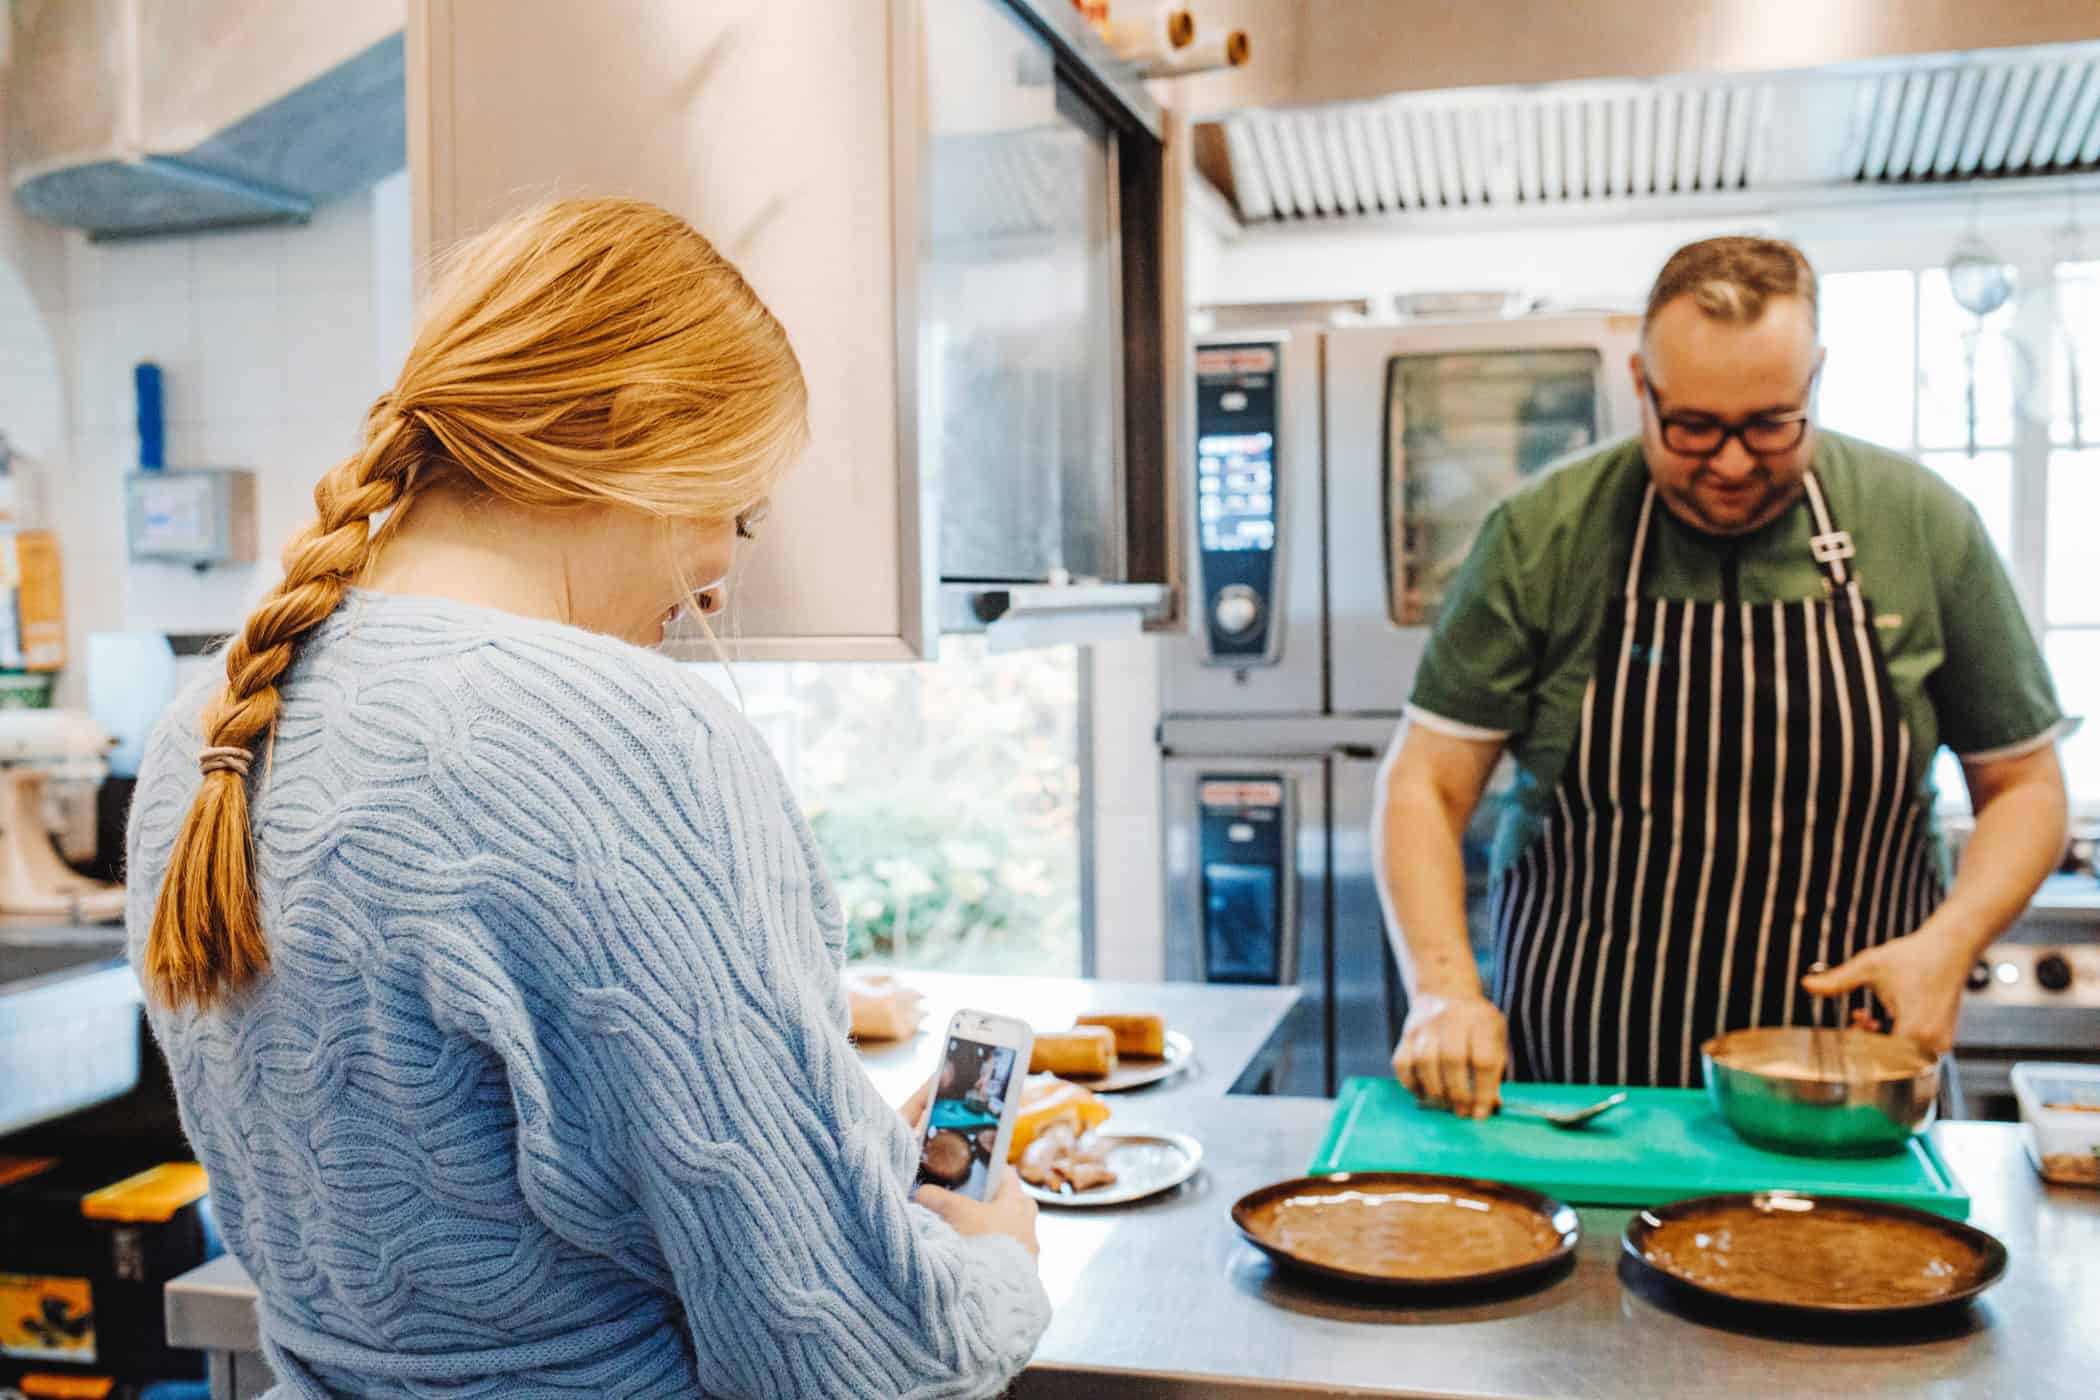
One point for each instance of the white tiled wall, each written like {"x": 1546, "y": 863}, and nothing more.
{"x": 271, "y": 343}
{"x": 32, "y": 390}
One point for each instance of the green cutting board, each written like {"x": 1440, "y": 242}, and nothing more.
{"x": 1662, "y": 1145}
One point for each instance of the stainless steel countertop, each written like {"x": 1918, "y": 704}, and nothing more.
{"x": 1163, "y": 1300}
{"x": 212, "y": 1308}
{"x": 1168, "y": 1294}
{"x": 1234, "y": 1030}
{"x": 35, "y": 953}
{"x": 69, "y": 1021}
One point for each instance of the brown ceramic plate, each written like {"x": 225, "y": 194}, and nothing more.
{"x": 1816, "y": 1256}
{"x": 1408, "y": 1230}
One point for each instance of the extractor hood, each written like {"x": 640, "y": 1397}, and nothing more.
{"x": 1601, "y": 145}
{"x": 132, "y": 118}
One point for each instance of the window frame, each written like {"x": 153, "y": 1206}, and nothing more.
{"x": 2034, "y": 247}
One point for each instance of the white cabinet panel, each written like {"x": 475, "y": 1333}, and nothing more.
{"x": 766, "y": 123}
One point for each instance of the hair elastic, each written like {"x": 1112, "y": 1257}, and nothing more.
{"x": 224, "y": 758}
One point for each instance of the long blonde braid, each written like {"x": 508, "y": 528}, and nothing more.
{"x": 207, "y": 931}
{"x": 585, "y": 353}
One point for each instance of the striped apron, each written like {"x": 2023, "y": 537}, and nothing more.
{"x": 1738, "y": 807}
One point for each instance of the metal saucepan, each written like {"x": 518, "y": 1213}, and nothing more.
{"x": 1777, "y": 1088}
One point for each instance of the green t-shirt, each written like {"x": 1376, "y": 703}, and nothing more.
{"x": 1517, "y": 637}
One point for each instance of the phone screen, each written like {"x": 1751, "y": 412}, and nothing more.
{"x": 962, "y": 1128}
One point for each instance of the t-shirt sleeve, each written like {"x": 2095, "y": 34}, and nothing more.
{"x": 1483, "y": 656}
{"x": 1992, "y": 692}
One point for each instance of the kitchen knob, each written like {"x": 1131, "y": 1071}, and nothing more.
{"x": 1979, "y": 976}
{"x": 1236, "y": 610}
{"x": 2053, "y": 971}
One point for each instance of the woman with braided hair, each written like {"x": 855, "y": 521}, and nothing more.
{"x": 492, "y": 960}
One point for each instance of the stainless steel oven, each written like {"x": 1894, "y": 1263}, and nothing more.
{"x": 1269, "y": 881}
{"x": 2033, "y": 995}
{"x": 1339, "y": 476}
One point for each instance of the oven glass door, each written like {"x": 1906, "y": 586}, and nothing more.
{"x": 1464, "y": 430}
{"x": 1020, "y": 411}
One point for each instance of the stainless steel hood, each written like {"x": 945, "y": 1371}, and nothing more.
{"x": 133, "y": 119}
{"x": 1600, "y": 145}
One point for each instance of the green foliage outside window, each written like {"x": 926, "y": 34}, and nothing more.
{"x": 945, "y": 799}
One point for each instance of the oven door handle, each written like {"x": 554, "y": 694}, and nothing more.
{"x": 1287, "y": 910}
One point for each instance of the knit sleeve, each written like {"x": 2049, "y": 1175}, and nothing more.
{"x": 688, "y": 1102}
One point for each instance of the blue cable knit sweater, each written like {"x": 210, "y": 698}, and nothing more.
{"x": 548, "y": 1091}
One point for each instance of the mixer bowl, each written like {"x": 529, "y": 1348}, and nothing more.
{"x": 1779, "y": 1089}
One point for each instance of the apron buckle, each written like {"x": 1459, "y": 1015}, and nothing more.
{"x": 1832, "y": 547}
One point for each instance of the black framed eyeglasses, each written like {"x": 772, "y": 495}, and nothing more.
{"x": 1762, "y": 434}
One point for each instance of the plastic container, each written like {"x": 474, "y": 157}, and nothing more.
{"x": 2060, "y": 1119}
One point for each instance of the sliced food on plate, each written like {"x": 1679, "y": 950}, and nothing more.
{"x": 1061, "y": 1159}
{"x": 1054, "y": 1146}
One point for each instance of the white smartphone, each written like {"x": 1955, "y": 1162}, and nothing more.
{"x": 976, "y": 1096}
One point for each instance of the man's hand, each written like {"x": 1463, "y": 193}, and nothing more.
{"x": 1919, "y": 979}
{"x": 1452, "y": 1053}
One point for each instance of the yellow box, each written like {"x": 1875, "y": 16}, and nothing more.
{"x": 47, "y": 1317}
{"x": 33, "y": 637}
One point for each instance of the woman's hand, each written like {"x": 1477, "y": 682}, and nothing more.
{"x": 1009, "y": 1212}
{"x": 913, "y": 1109}
{"x": 1452, "y": 1052}
{"x": 1919, "y": 978}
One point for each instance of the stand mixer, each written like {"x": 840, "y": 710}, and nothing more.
{"x": 40, "y": 748}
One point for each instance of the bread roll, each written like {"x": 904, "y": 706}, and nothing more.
{"x": 1138, "y": 1035}
{"x": 1084, "y": 1050}
{"x": 882, "y": 1008}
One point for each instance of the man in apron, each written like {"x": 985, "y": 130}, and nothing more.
{"x": 1723, "y": 656}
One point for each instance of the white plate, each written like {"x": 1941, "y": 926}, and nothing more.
{"x": 1145, "y": 1164}
{"x": 1135, "y": 1074}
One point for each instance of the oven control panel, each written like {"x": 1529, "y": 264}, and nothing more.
{"x": 1237, "y": 499}
{"x": 2037, "y": 974}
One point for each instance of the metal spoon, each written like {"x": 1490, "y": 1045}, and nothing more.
{"x": 1565, "y": 1117}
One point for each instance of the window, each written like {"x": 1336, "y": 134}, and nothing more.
{"x": 1899, "y": 374}
{"x": 1911, "y": 369}
{"x": 944, "y": 797}
{"x": 2071, "y": 577}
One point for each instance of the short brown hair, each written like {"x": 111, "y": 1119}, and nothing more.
{"x": 1731, "y": 279}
